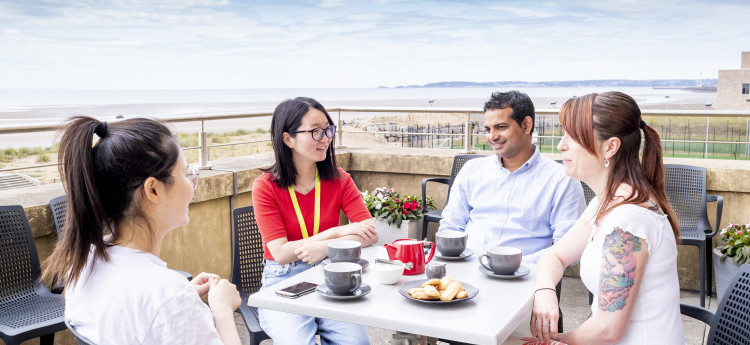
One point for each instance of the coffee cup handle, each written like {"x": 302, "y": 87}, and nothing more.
{"x": 357, "y": 280}
{"x": 482, "y": 261}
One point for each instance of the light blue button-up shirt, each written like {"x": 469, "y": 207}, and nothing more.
{"x": 529, "y": 208}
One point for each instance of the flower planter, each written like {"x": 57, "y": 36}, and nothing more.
{"x": 388, "y": 233}
{"x": 724, "y": 272}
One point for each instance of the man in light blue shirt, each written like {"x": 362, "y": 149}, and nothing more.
{"x": 515, "y": 197}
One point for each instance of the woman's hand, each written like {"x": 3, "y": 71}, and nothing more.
{"x": 312, "y": 252}
{"x": 201, "y": 282}
{"x": 223, "y": 295}
{"x": 364, "y": 229}
{"x": 544, "y": 315}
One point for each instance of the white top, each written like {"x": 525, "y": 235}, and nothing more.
{"x": 136, "y": 299}
{"x": 529, "y": 208}
{"x": 656, "y": 316}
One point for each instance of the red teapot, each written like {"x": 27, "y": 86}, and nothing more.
{"x": 409, "y": 250}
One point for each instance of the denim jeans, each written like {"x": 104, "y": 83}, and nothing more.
{"x": 292, "y": 329}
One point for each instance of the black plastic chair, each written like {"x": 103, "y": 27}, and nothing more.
{"x": 436, "y": 215}
{"x": 81, "y": 340}
{"x": 59, "y": 209}
{"x": 588, "y": 194}
{"x": 57, "y": 205}
{"x": 247, "y": 266}
{"x": 730, "y": 325}
{"x": 27, "y": 309}
{"x": 686, "y": 193}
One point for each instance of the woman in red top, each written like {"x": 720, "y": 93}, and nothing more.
{"x": 304, "y": 178}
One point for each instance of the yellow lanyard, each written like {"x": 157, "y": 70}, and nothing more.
{"x": 300, "y": 219}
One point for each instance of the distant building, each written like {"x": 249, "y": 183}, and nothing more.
{"x": 733, "y": 90}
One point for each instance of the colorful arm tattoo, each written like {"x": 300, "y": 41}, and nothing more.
{"x": 618, "y": 269}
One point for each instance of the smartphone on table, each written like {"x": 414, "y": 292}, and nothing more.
{"x": 297, "y": 290}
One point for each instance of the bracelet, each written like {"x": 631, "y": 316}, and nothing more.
{"x": 544, "y": 288}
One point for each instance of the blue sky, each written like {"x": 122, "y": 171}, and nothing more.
{"x": 153, "y": 44}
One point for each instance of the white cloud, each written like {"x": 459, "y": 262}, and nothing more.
{"x": 334, "y": 43}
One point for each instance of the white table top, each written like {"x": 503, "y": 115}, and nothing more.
{"x": 489, "y": 318}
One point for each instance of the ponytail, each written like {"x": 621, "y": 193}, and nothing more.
{"x": 653, "y": 170}
{"x": 103, "y": 169}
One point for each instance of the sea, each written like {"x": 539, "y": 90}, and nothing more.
{"x": 41, "y": 106}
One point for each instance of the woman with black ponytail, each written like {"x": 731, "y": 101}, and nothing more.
{"x": 625, "y": 239}
{"x": 127, "y": 186}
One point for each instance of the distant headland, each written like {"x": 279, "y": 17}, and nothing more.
{"x": 705, "y": 85}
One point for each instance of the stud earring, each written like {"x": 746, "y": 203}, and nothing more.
{"x": 606, "y": 163}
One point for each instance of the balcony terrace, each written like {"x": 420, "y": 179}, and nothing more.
{"x": 205, "y": 244}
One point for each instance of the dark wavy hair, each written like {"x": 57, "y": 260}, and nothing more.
{"x": 598, "y": 117}
{"x": 103, "y": 182}
{"x": 518, "y": 101}
{"x": 287, "y": 118}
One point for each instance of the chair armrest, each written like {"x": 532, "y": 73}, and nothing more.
{"x": 696, "y": 312}
{"x": 719, "y": 200}
{"x": 442, "y": 180}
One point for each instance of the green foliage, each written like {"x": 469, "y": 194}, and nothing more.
{"x": 735, "y": 243}
{"x": 42, "y": 158}
{"x": 386, "y": 203}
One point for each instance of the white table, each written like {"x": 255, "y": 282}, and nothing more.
{"x": 500, "y": 308}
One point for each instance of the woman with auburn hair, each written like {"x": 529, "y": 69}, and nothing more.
{"x": 297, "y": 202}
{"x": 625, "y": 239}
{"x": 127, "y": 186}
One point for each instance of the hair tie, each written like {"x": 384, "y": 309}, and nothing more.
{"x": 101, "y": 129}
{"x": 643, "y": 124}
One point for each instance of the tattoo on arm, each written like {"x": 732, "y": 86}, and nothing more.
{"x": 618, "y": 269}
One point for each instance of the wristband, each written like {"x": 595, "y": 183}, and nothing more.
{"x": 544, "y": 288}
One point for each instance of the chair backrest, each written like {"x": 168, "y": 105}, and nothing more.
{"x": 686, "y": 194}
{"x": 58, "y": 206}
{"x": 458, "y": 163}
{"x": 247, "y": 252}
{"x": 588, "y": 194}
{"x": 732, "y": 319}
{"x": 18, "y": 257}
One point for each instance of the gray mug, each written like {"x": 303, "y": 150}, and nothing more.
{"x": 502, "y": 260}
{"x": 344, "y": 251}
{"x": 435, "y": 270}
{"x": 450, "y": 243}
{"x": 343, "y": 278}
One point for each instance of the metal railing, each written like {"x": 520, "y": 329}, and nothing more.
{"x": 469, "y": 132}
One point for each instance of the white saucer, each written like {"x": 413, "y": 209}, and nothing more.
{"x": 522, "y": 271}
{"x": 364, "y": 289}
{"x": 362, "y": 262}
{"x": 467, "y": 253}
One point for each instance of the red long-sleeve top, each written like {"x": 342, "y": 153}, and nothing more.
{"x": 276, "y": 218}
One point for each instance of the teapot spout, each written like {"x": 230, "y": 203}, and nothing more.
{"x": 391, "y": 249}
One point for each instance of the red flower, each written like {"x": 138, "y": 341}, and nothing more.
{"x": 405, "y": 212}
{"x": 413, "y": 206}
{"x": 396, "y": 200}
{"x": 407, "y": 205}
{"x": 419, "y": 206}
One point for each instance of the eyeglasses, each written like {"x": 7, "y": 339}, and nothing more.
{"x": 317, "y": 133}
{"x": 192, "y": 176}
